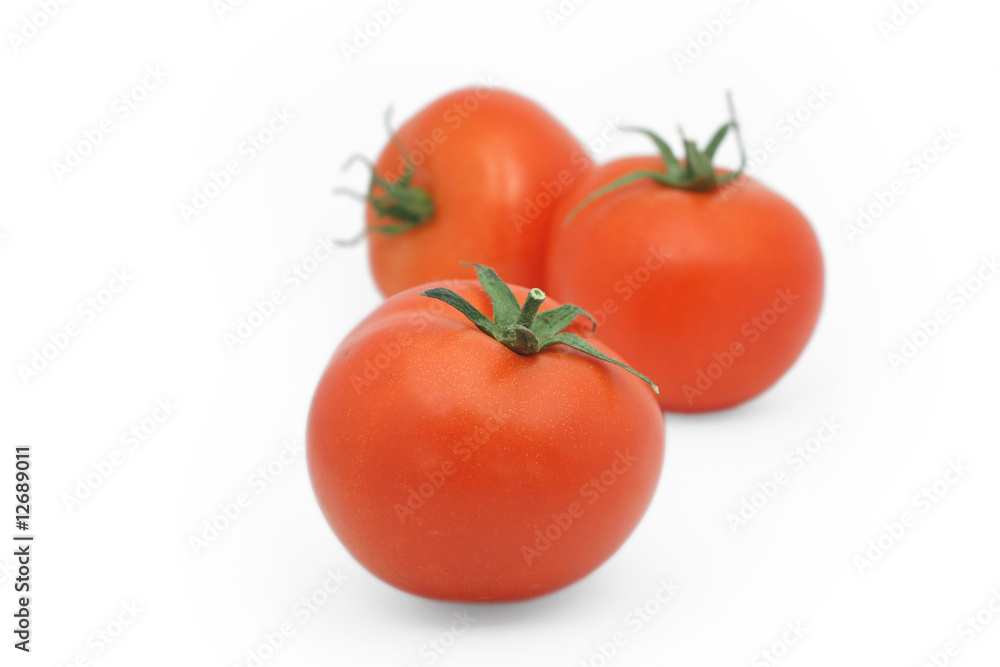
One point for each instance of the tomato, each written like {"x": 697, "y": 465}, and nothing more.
{"x": 713, "y": 290}
{"x": 453, "y": 467}
{"x": 477, "y": 180}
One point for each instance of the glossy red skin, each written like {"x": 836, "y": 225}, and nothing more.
{"x": 483, "y": 174}
{"x": 564, "y": 415}
{"x": 727, "y": 258}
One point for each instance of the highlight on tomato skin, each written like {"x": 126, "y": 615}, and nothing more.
{"x": 706, "y": 279}
{"x": 473, "y": 176}
{"x": 455, "y": 467}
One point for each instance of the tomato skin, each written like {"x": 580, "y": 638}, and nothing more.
{"x": 482, "y": 155}
{"x": 676, "y": 278}
{"x": 501, "y": 445}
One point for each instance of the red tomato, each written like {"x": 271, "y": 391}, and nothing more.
{"x": 454, "y": 468}
{"x": 487, "y": 168}
{"x": 712, "y": 293}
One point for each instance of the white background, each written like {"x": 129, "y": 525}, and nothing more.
{"x": 162, "y": 337}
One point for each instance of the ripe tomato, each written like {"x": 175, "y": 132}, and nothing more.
{"x": 477, "y": 180}
{"x": 714, "y": 291}
{"x": 455, "y": 468}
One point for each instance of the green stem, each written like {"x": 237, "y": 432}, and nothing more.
{"x": 520, "y": 328}
{"x": 696, "y": 174}
{"x": 530, "y": 309}
{"x": 405, "y": 205}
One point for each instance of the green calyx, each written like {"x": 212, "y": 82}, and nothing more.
{"x": 522, "y": 328}
{"x": 696, "y": 174}
{"x": 404, "y": 204}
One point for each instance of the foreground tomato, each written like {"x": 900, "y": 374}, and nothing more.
{"x": 710, "y": 283}
{"x": 473, "y": 176}
{"x": 480, "y": 461}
